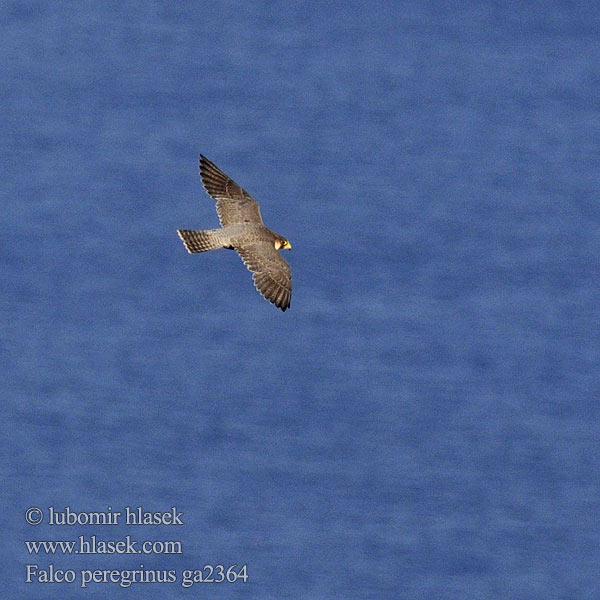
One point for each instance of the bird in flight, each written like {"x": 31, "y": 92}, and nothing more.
{"x": 242, "y": 229}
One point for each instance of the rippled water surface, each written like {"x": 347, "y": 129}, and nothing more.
{"x": 423, "y": 422}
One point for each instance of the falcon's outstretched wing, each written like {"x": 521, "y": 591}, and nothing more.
{"x": 271, "y": 274}
{"x": 235, "y": 206}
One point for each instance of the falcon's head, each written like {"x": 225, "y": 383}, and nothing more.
{"x": 282, "y": 244}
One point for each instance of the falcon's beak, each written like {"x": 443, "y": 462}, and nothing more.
{"x": 287, "y": 245}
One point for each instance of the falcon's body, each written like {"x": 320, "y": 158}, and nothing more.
{"x": 242, "y": 229}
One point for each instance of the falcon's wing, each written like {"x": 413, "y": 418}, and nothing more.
{"x": 271, "y": 274}
{"x": 235, "y": 206}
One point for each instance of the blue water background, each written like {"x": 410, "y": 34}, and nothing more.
{"x": 424, "y": 421}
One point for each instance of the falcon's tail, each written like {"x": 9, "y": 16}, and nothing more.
{"x": 198, "y": 240}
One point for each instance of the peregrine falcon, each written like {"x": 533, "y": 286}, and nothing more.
{"x": 242, "y": 230}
